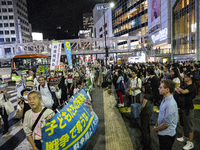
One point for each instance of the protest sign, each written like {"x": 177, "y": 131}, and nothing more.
{"x": 55, "y": 54}
{"x": 71, "y": 127}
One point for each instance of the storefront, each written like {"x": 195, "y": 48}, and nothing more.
{"x": 184, "y": 29}
{"x": 159, "y": 31}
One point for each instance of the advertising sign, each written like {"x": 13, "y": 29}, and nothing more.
{"x": 154, "y": 13}
{"x": 71, "y": 127}
{"x": 68, "y": 53}
{"x": 55, "y": 54}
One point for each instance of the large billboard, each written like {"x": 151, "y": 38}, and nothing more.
{"x": 153, "y": 13}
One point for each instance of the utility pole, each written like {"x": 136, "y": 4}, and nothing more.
{"x": 106, "y": 48}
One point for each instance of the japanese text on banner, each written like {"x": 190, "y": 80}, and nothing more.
{"x": 72, "y": 127}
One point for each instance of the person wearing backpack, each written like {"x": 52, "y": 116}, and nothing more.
{"x": 187, "y": 110}
{"x": 120, "y": 88}
{"x": 33, "y": 119}
{"x": 48, "y": 94}
{"x": 135, "y": 86}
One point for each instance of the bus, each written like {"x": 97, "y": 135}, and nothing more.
{"x": 27, "y": 64}
{"x": 5, "y": 69}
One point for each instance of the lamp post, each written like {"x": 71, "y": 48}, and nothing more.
{"x": 106, "y": 48}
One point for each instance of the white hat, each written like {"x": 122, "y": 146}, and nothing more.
{"x": 29, "y": 84}
{"x": 18, "y": 80}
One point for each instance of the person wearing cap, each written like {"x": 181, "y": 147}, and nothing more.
{"x": 35, "y": 136}
{"x": 23, "y": 106}
{"x": 187, "y": 111}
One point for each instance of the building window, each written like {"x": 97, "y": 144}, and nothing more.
{"x": 6, "y": 32}
{"x": 5, "y": 24}
{"x": 1, "y": 32}
{"x": 10, "y": 17}
{"x": 105, "y": 25}
{"x": 0, "y": 17}
{"x": 1, "y": 39}
{"x": 13, "y": 39}
{"x": 9, "y": 2}
{"x": 4, "y": 10}
{"x": 3, "y": 2}
{"x": 12, "y": 31}
{"x": 10, "y": 10}
{"x": 12, "y": 24}
{"x": 5, "y": 17}
{"x": 7, "y": 39}
{"x": 1, "y": 25}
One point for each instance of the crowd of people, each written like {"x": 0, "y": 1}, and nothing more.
{"x": 37, "y": 99}
{"x": 170, "y": 87}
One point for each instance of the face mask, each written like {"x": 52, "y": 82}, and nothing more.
{"x": 25, "y": 97}
{"x": 60, "y": 74}
{"x": 52, "y": 74}
{"x": 37, "y": 76}
{"x": 116, "y": 73}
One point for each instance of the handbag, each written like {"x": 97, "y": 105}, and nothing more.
{"x": 8, "y": 105}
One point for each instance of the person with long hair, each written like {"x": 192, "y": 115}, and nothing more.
{"x": 176, "y": 78}
{"x": 146, "y": 113}
{"x": 120, "y": 91}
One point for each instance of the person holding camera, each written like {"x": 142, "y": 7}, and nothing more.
{"x": 23, "y": 106}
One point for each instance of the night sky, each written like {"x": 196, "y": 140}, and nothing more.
{"x": 46, "y": 15}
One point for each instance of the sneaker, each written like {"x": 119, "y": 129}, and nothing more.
{"x": 189, "y": 145}
{"x": 182, "y": 139}
{"x": 121, "y": 105}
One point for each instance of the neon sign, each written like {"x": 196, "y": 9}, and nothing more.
{"x": 162, "y": 35}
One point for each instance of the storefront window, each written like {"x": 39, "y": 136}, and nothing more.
{"x": 184, "y": 19}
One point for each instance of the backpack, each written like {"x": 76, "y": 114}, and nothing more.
{"x": 55, "y": 99}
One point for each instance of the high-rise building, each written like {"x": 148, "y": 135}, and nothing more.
{"x": 14, "y": 25}
{"x": 130, "y": 18}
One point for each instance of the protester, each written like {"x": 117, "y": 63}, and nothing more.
{"x": 23, "y": 105}
{"x": 135, "y": 86}
{"x": 36, "y": 79}
{"x": 165, "y": 127}
{"x": 145, "y": 116}
{"x": 120, "y": 89}
{"x": 3, "y": 98}
{"x": 167, "y": 75}
{"x": 187, "y": 111}
{"x": 48, "y": 93}
{"x": 35, "y": 135}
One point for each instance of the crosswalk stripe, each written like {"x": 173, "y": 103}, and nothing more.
{"x": 14, "y": 129}
{"x": 11, "y": 91}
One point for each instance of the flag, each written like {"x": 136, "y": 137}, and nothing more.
{"x": 67, "y": 45}
{"x": 55, "y": 54}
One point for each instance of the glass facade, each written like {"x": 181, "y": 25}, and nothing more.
{"x": 184, "y": 27}
{"x": 130, "y": 16}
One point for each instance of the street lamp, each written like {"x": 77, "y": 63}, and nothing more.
{"x": 106, "y": 48}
